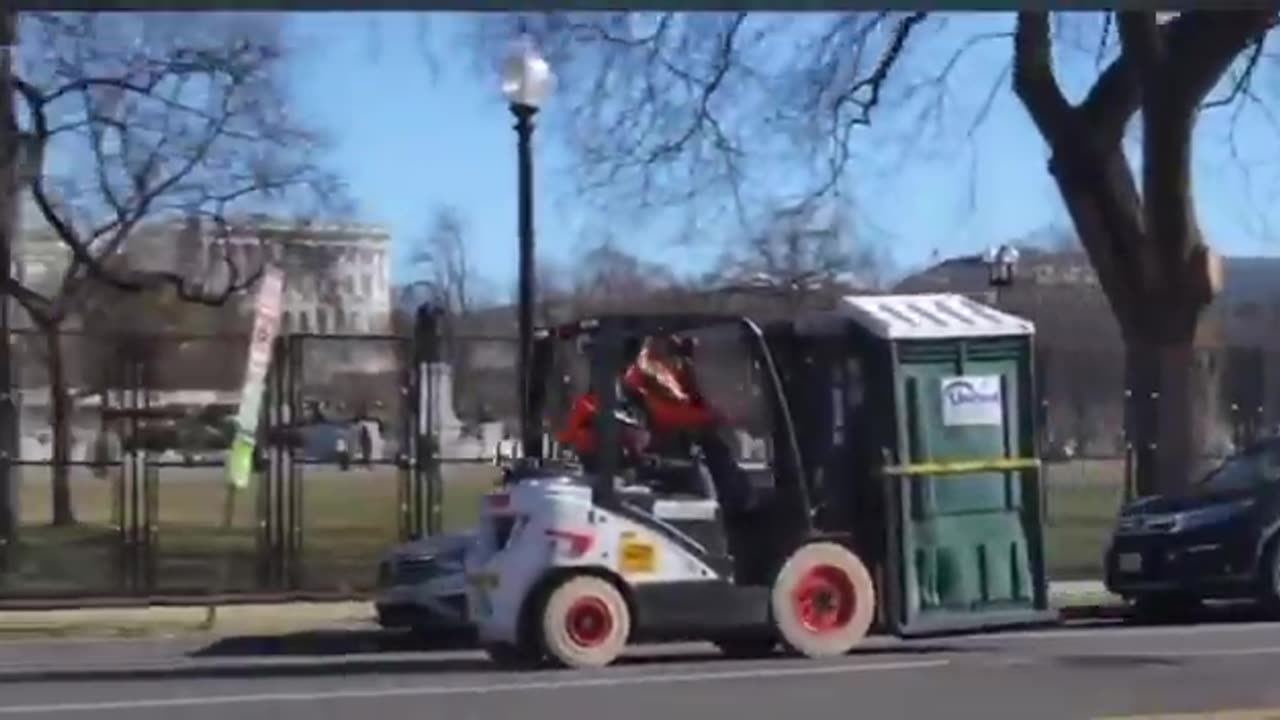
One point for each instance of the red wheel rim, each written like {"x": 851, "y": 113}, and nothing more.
{"x": 824, "y": 599}
{"x": 588, "y": 622}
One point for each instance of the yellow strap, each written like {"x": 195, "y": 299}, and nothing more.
{"x": 957, "y": 467}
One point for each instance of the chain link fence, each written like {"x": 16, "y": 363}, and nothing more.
{"x": 369, "y": 440}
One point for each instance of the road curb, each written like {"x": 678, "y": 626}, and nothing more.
{"x": 1107, "y": 611}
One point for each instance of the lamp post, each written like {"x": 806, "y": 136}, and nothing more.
{"x": 10, "y": 191}
{"x": 1002, "y": 264}
{"x": 526, "y": 82}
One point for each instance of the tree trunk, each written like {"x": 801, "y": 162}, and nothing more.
{"x": 1170, "y": 403}
{"x": 1147, "y": 248}
{"x": 60, "y": 410}
{"x": 1171, "y": 411}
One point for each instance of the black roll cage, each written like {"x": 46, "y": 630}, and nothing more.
{"x": 609, "y": 335}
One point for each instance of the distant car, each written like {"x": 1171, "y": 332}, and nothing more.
{"x": 1219, "y": 540}
{"x": 422, "y": 585}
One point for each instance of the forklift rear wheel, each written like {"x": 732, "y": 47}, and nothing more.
{"x": 585, "y": 622}
{"x": 823, "y": 600}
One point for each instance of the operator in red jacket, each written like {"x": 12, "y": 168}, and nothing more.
{"x": 662, "y": 378}
{"x": 661, "y": 381}
{"x": 579, "y": 431}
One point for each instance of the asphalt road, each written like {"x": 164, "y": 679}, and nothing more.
{"x": 1080, "y": 672}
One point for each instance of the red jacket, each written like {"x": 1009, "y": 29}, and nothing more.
{"x": 579, "y": 431}
{"x": 670, "y": 409}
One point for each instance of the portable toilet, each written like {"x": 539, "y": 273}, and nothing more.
{"x": 916, "y": 416}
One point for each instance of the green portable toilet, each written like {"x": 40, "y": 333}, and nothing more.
{"x": 917, "y": 420}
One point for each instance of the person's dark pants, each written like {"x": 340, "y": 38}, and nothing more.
{"x": 732, "y": 486}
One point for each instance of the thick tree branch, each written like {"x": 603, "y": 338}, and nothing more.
{"x": 1141, "y": 40}
{"x": 1239, "y": 88}
{"x": 1112, "y": 101}
{"x": 1033, "y": 79}
{"x": 1203, "y": 44}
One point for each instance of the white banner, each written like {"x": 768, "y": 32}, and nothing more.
{"x": 972, "y": 400}
{"x": 266, "y": 325}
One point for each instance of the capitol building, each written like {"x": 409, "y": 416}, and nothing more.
{"x": 337, "y": 276}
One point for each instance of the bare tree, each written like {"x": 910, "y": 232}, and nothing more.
{"x": 554, "y": 290}
{"x": 161, "y": 118}
{"x": 608, "y": 278}
{"x": 448, "y": 275}
{"x": 448, "y": 281}
{"x": 799, "y": 254}
{"x": 673, "y": 107}
{"x": 688, "y": 109}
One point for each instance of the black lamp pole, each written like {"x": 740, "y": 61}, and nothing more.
{"x": 530, "y": 441}
{"x": 9, "y": 198}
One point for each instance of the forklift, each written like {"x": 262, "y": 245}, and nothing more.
{"x": 573, "y": 560}
{"x": 861, "y": 513}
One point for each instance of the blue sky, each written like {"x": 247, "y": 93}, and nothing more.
{"x": 411, "y": 137}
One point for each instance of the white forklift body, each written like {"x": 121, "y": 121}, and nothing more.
{"x": 550, "y": 523}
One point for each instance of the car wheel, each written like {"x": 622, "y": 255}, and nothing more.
{"x": 1165, "y": 607}
{"x": 585, "y": 623}
{"x": 823, "y": 600}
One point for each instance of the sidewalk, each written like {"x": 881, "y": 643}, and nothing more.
{"x": 1075, "y": 599}
{"x": 1084, "y": 599}
{"x": 171, "y": 620}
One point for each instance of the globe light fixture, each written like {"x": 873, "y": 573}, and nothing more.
{"x": 526, "y": 75}
{"x": 1002, "y": 263}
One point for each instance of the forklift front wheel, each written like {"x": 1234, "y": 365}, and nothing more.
{"x": 585, "y": 622}
{"x": 823, "y": 600}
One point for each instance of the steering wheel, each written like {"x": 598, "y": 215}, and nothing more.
{"x": 650, "y": 461}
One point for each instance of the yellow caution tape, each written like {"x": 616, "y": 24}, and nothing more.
{"x": 957, "y": 467}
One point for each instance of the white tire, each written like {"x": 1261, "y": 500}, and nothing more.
{"x": 585, "y": 623}
{"x": 823, "y": 600}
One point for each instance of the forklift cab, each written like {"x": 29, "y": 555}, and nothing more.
{"x": 916, "y": 425}
{"x": 732, "y": 489}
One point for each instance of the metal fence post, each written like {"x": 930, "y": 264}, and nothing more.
{"x": 292, "y": 520}
{"x": 426, "y": 461}
{"x": 270, "y": 561}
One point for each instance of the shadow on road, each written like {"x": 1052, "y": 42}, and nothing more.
{"x": 1225, "y": 613}
{"x": 1110, "y": 663}
{"x": 319, "y": 643}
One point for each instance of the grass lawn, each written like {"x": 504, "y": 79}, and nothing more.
{"x": 1082, "y": 500}
{"x": 348, "y": 520}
